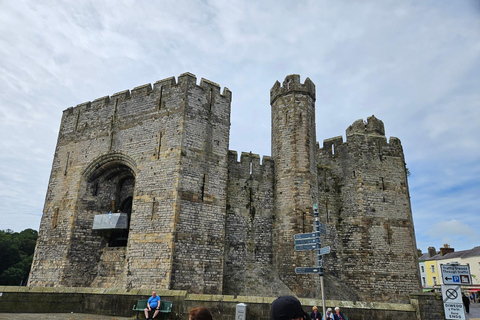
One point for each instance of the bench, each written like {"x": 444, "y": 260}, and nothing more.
{"x": 165, "y": 307}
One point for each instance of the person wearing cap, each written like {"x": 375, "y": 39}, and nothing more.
{"x": 315, "y": 314}
{"x": 328, "y": 314}
{"x": 287, "y": 308}
{"x": 338, "y": 315}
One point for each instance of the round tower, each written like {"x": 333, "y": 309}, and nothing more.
{"x": 293, "y": 151}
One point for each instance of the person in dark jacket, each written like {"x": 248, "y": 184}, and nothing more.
{"x": 466, "y": 303}
{"x": 315, "y": 314}
{"x": 338, "y": 315}
{"x": 287, "y": 308}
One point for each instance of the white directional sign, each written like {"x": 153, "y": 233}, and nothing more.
{"x": 456, "y": 274}
{"x": 452, "y": 302}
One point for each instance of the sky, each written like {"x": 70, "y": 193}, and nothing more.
{"x": 413, "y": 64}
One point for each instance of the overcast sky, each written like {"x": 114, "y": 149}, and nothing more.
{"x": 413, "y": 64}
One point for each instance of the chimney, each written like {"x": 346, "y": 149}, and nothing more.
{"x": 431, "y": 251}
{"x": 446, "y": 249}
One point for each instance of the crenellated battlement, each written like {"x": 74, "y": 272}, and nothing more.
{"x": 371, "y": 126}
{"x": 147, "y": 89}
{"x": 250, "y": 162}
{"x": 360, "y": 132}
{"x": 292, "y": 84}
{"x": 164, "y": 98}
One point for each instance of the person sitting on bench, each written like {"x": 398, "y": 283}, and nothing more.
{"x": 153, "y": 304}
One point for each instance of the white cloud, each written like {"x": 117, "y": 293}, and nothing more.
{"x": 452, "y": 231}
{"x": 413, "y": 65}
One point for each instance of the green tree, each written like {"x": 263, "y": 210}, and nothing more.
{"x": 16, "y": 255}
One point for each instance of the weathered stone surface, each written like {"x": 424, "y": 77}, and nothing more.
{"x": 202, "y": 221}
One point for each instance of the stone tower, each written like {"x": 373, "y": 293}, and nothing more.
{"x": 157, "y": 156}
{"x": 295, "y": 187}
{"x": 364, "y": 200}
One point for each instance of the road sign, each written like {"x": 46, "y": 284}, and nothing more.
{"x": 324, "y": 250}
{"x": 304, "y": 247}
{"x": 452, "y": 302}
{"x": 308, "y": 270}
{"x": 456, "y": 274}
{"x": 299, "y": 236}
{"x": 307, "y": 241}
{"x": 321, "y": 227}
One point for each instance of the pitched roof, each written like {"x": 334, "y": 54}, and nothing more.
{"x": 423, "y": 257}
{"x": 475, "y": 252}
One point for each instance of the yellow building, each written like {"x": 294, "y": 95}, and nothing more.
{"x": 431, "y": 270}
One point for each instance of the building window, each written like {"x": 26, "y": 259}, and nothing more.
{"x": 424, "y": 282}
{"x": 433, "y": 268}
{"x": 434, "y": 281}
{"x": 423, "y": 269}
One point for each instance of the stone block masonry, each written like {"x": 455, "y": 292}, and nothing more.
{"x": 204, "y": 221}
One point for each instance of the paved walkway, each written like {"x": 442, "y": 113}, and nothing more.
{"x": 61, "y": 316}
{"x": 474, "y": 312}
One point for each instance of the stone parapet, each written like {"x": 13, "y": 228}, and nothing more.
{"x": 119, "y": 302}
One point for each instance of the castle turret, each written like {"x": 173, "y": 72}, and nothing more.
{"x": 293, "y": 150}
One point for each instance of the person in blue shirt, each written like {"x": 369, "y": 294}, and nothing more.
{"x": 153, "y": 304}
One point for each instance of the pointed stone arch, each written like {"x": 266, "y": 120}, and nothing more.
{"x": 108, "y": 186}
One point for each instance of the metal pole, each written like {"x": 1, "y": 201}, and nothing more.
{"x": 319, "y": 256}
{"x": 323, "y": 297}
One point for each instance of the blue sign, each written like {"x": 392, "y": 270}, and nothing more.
{"x": 306, "y": 235}
{"x": 307, "y": 241}
{"x": 324, "y": 250}
{"x": 304, "y": 247}
{"x": 309, "y": 270}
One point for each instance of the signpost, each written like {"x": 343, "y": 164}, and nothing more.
{"x": 453, "y": 276}
{"x": 452, "y": 302}
{"x": 456, "y": 274}
{"x": 311, "y": 241}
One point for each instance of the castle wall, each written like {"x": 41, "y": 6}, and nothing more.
{"x": 248, "y": 230}
{"x": 363, "y": 194}
{"x": 200, "y": 208}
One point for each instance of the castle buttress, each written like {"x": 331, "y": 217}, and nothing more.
{"x": 144, "y": 193}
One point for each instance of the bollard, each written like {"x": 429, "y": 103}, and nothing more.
{"x": 241, "y": 312}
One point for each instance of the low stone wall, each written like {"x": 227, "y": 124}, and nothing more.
{"x": 119, "y": 302}
{"x": 428, "y": 305}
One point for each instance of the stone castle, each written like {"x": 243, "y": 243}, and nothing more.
{"x": 145, "y": 193}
